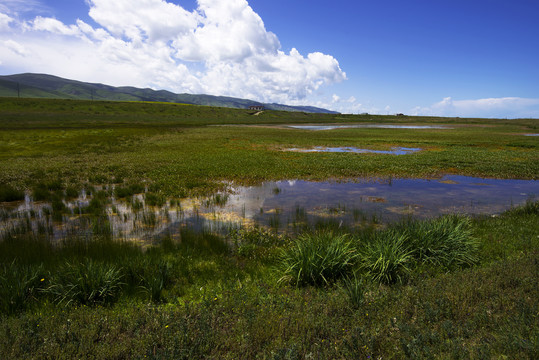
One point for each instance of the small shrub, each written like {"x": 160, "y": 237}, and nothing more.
{"x": 87, "y": 283}
{"x": 385, "y": 258}
{"x": 318, "y": 259}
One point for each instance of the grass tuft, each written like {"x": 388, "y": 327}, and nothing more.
{"x": 86, "y": 283}
{"x": 8, "y": 193}
{"x": 317, "y": 259}
{"x": 354, "y": 287}
{"x": 19, "y": 286}
{"x": 530, "y": 208}
{"x": 385, "y": 258}
{"x": 155, "y": 280}
{"x": 445, "y": 242}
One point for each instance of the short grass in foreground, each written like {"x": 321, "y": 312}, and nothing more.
{"x": 222, "y": 298}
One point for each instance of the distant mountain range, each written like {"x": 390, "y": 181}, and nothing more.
{"x": 49, "y": 86}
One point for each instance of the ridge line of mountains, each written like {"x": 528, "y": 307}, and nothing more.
{"x": 31, "y": 85}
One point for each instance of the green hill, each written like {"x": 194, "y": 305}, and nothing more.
{"x": 48, "y": 86}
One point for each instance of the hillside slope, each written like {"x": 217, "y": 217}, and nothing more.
{"x": 49, "y": 86}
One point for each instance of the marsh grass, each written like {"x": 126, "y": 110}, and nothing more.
{"x": 20, "y": 286}
{"x": 21, "y": 243}
{"x": 86, "y": 283}
{"x": 194, "y": 297}
{"x": 153, "y": 199}
{"x": 128, "y": 190}
{"x": 318, "y": 259}
{"x": 445, "y": 242}
{"x": 354, "y": 287}
{"x": 217, "y": 200}
{"x": 79, "y": 147}
{"x": 385, "y": 257}
{"x": 256, "y": 243}
{"x": 218, "y": 300}
{"x": 155, "y": 279}
{"x": 9, "y": 193}
{"x": 149, "y": 219}
{"x": 529, "y": 208}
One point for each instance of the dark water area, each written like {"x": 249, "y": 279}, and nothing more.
{"x": 350, "y": 149}
{"x": 281, "y": 205}
{"x": 365, "y": 126}
{"x": 386, "y": 199}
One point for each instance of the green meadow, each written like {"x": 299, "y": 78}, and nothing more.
{"x": 449, "y": 287}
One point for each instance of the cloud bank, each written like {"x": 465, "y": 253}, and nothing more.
{"x": 507, "y": 107}
{"x": 221, "y": 48}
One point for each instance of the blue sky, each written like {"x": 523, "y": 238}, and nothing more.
{"x": 447, "y": 58}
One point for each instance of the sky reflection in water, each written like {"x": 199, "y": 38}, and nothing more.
{"x": 360, "y": 126}
{"x": 291, "y": 205}
{"x": 350, "y": 149}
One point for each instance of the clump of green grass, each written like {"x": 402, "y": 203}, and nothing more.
{"x": 19, "y": 286}
{"x": 318, "y": 259}
{"x": 529, "y": 208}
{"x": 354, "y": 287}
{"x": 128, "y": 190}
{"x": 86, "y": 283}
{"x": 47, "y": 191}
{"x": 445, "y": 242}
{"x": 385, "y": 258}
{"x": 71, "y": 192}
{"x": 96, "y": 207}
{"x": 153, "y": 199}
{"x": 9, "y": 193}
{"x": 41, "y": 193}
{"x": 155, "y": 279}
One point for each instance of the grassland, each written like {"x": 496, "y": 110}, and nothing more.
{"x": 99, "y": 142}
{"x": 451, "y": 287}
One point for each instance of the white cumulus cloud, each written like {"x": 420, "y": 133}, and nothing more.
{"x": 54, "y": 26}
{"x": 5, "y": 20}
{"x": 16, "y": 48}
{"x": 221, "y": 48}
{"x": 506, "y": 107}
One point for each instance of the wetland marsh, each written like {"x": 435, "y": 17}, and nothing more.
{"x": 132, "y": 230}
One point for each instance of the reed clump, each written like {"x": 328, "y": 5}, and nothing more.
{"x": 9, "y": 193}
{"x": 319, "y": 258}
{"x": 87, "y": 282}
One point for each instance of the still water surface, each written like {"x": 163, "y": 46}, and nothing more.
{"x": 291, "y": 205}
{"x": 351, "y": 149}
{"x": 361, "y": 126}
